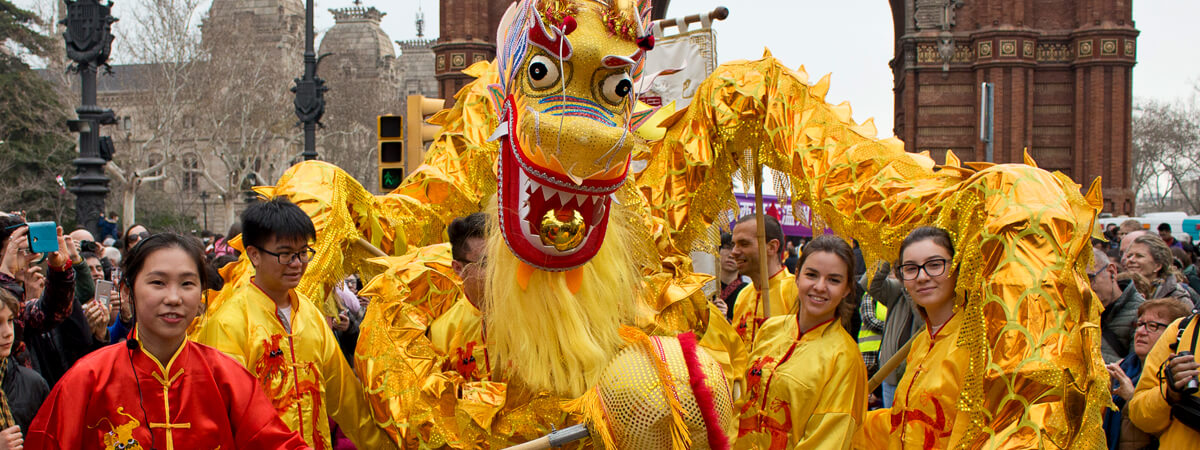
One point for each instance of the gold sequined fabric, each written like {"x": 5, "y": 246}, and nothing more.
{"x": 1022, "y": 237}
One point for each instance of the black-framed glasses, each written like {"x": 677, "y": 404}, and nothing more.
{"x": 286, "y": 258}
{"x": 933, "y": 268}
{"x": 1150, "y": 325}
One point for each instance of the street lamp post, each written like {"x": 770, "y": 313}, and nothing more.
{"x": 310, "y": 90}
{"x": 204, "y": 202}
{"x": 89, "y": 42}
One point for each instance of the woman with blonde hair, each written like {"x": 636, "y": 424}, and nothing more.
{"x": 1149, "y": 256}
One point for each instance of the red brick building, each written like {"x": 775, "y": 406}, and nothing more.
{"x": 1062, "y": 75}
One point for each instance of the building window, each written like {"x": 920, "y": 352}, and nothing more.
{"x": 191, "y": 173}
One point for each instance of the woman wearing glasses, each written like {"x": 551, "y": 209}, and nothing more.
{"x": 925, "y": 411}
{"x": 1153, "y": 318}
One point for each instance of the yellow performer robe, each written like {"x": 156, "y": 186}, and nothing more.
{"x": 458, "y": 335}
{"x": 302, "y": 372}
{"x": 748, "y": 311}
{"x": 925, "y": 413}
{"x": 1148, "y": 409}
{"x": 815, "y": 397}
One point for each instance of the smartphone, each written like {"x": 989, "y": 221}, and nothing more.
{"x": 104, "y": 291}
{"x": 43, "y": 237}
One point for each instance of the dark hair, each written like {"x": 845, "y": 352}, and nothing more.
{"x": 133, "y": 261}
{"x": 726, "y": 241}
{"x": 937, "y": 235}
{"x": 1182, "y": 256}
{"x": 1164, "y": 227}
{"x": 278, "y": 217}
{"x": 829, "y": 243}
{"x": 463, "y": 228}
{"x": 222, "y": 260}
{"x": 8, "y": 225}
{"x": 126, "y": 239}
{"x": 234, "y": 230}
{"x": 773, "y": 229}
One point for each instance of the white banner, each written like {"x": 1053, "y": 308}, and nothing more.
{"x": 694, "y": 52}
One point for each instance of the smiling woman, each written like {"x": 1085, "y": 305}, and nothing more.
{"x": 100, "y": 402}
{"x": 807, "y": 380}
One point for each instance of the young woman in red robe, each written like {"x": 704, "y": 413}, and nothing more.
{"x": 158, "y": 390}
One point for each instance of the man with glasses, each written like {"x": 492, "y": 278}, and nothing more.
{"x": 458, "y": 333}
{"x": 283, "y": 338}
{"x": 1120, "y": 308}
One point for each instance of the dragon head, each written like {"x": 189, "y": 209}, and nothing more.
{"x": 566, "y": 96}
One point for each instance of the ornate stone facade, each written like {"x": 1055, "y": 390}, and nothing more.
{"x": 364, "y": 74}
{"x": 1061, "y": 70}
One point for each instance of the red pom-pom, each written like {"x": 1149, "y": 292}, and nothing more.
{"x": 646, "y": 42}
{"x": 569, "y": 24}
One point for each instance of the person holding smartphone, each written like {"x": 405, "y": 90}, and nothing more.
{"x": 43, "y": 312}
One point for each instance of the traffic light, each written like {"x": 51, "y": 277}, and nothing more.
{"x": 419, "y": 132}
{"x": 390, "y": 131}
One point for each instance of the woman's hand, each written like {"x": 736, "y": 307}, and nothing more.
{"x": 98, "y": 318}
{"x": 1124, "y": 387}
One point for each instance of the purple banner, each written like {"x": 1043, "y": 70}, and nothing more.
{"x": 771, "y": 206}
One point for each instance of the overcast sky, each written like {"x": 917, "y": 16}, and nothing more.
{"x": 852, "y": 39}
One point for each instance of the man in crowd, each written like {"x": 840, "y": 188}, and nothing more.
{"x": 732, "y": 282}
{"x": 1164, "y": 232}
{"x": 1127, "y": 227}
{"x": 1120, "y": 309}
{"x": 283, "y": 339}
{"x": 458, "y": 333}
{"x": 750, "y": 309}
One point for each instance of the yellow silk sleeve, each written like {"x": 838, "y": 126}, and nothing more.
{"x": 347, "y": 401}
{"x": 217, "y": 333}
{"x": 875, "y": 430}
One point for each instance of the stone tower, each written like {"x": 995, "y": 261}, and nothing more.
{"x": 273, "y": 28}
{"x": 358, "y": 47}
{"x": 1061, "y": 70}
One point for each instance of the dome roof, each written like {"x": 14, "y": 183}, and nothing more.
{"x": 356, "y": 40}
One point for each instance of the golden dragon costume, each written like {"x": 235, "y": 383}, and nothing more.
{"x": 587, "y": 273}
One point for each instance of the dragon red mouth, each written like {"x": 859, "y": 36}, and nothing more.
{"x": 529, "y": 191}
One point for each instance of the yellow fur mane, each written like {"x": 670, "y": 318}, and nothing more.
{"x": 547, "y": 337}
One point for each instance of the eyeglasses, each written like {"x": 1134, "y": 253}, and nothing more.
{"x": 933, "y": 268}
{"x": 1150, "y": 325}
{"x": 481, "y": 262}
{"x": 286, "y": 258}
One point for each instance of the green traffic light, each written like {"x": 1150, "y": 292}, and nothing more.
{"x": 390, "y": 179}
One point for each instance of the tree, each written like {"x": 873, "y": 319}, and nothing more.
{"x": 349, "y": 139}
{"x": 1166, "y": 145}
{"x": 161, "y": 39}
{"x": 246, "y": 111}
{"x": 35, "y": 147}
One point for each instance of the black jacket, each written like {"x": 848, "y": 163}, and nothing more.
{"x": 25, "y": 390}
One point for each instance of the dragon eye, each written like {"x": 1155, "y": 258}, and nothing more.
{"x": 616, "y": 87}
{"x": 543, "y": 73}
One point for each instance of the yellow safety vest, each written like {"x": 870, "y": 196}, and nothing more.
{"x": 868, "y": 341}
